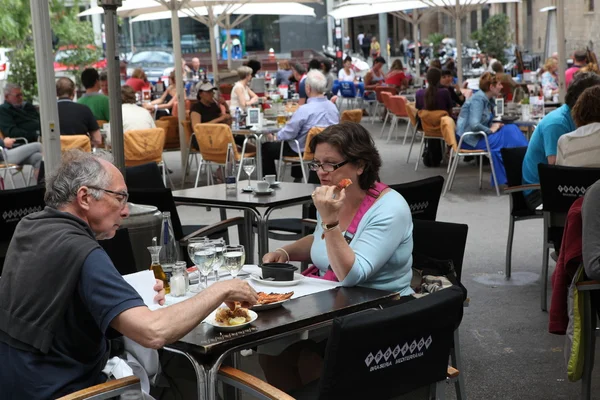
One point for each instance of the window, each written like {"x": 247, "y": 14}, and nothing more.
{"x": 590, "y": 5}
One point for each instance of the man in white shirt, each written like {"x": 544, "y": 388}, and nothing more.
{"x": 581, "y": 148}
{"x": 134, "y": 116}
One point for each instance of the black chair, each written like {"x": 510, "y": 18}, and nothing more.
{"x": 162, "y": 198}
{"x": 444, "y": 241}
{"x": 518, "y": 209}
{"x": 423, "y": 196}
{"x": 145, "y": 176}
{"x": 14, "y": 205}
{"x": 120, "y": 251}
{"x": 378, "y": 354}
{"x": 560, "y": 187}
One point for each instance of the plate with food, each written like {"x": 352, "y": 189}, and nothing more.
{"x": 266, "y": 301}
{"x": 225, "y": 319}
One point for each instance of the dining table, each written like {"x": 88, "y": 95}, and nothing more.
{"x": 315, "y": 304}
{"x": 282, "y": 195}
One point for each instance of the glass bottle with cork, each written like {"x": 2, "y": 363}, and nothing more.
{"x": 155, "y": 266}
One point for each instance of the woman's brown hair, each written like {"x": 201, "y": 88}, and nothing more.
{"x": 284, "y": 65}
{"x": 434, "y": 75}
{"x": 486, "y": 81}
{"x": 355, "y": 144}
{"x": 127, "y": 95}
{"x": 587, "y": 107}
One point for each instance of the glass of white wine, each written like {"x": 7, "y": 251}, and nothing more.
{"x": 234, "y": 257}
{"x": 249, "y": 165}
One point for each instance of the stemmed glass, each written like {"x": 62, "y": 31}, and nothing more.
{"x": 219, "y": 245}
{"x": 204, "y": 258}
{"x": 191, "y": 248}
{"x": 249, "y": 166}
{"x": 234, "y": 257}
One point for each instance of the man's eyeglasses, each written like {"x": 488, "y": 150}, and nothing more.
{"x": 327, "y": 167}
{"x": 120, "y": 196}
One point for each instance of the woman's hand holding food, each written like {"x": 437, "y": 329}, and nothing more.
{"x": 329, "y": 200}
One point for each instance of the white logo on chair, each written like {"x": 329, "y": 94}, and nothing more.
{"x": 418, "y": 207}
{"x": 567, "y": 190}
{"x": 391, "y": 357}
{"x": 15, "y": 215}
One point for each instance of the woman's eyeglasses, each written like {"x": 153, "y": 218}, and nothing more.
{"x": 327, "y": 167}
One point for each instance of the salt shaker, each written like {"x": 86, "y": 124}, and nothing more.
{"x": 177, "y": 282}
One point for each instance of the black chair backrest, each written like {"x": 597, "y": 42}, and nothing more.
{"x": 512, "y": 158}
{"x": 120, "y": 251}
{"x": 423, "y": 196}
{"x": 560, "y": 187}
{"x": 161, "y": 198}
{"x": 441, "y": 240}
{"x": 145, "y": 176}
{"x": 380, "y": 354}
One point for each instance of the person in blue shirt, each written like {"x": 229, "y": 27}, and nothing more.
{"x": 318, "y": 111}
{"x": 477, "y": 115}
{"x": 543, "y": 145}
{"x": 378, "y": 255}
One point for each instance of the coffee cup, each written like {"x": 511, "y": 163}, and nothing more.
{"x": 271, "y": 179}
{"x": 262, "y": 186}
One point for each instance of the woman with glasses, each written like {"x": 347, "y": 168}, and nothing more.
{"x": 363, "y": 238}
{"x": 477, "y": 115}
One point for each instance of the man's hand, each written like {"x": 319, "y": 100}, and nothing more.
{"x": 237, "y": 290}
{"x": 160, "y": 292}
{"x": 8, "y": 142}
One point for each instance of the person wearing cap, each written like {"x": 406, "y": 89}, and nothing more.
{"x": 134, "y": 116}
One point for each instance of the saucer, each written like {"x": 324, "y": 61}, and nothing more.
{"x": 248, "y": 189}
{"x": 274, "y": 184}
{"x": 268, "y": 191}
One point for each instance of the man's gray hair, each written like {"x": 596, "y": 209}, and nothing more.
{"x": 9, "y": 87}
{"x": 77, "y": 169}
{"x": 317, "y": 81}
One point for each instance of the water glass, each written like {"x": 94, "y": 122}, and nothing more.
{"x": 204, "y": 258}
{"x": 234, "y": 257}
{"x": 219, "y": 245}
{"x": 191, "y": 248}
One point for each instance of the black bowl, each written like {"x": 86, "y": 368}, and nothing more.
{"x": 278, "y": 271}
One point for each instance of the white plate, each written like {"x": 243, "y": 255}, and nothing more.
{"x": 297, "y": 279}
{"x": 211, "y": 321}
{"x": 263, "y": 307}
{"x": 268, "y": 191}
{"x": 274, "y": 184}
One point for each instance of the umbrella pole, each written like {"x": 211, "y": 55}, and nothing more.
{"x": 213, "y": 45}
{"x": 560, "y": 33}
{"x": 416, "y": 39}
{"x": 40, "y": 21}
{"x": 175, "y": 32}
{"x": 228, "y": 40}
{"x": 459, "y": 61}
{"x": 114, "y": 85}
{"x": 131, "y": 36}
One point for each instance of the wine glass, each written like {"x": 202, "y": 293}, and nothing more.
{"x": 249, "y": 166}
{"x": 219, "y": 245}
{"x": 234, "y": 257}
{"x": 191, "y": 248}
{"x": 204, "y": 258}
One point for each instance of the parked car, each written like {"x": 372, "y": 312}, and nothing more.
{"x": 155, "y": 63}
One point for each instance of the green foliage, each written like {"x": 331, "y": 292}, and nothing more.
{"x": 494, "y": 36}
{"x": 435, "y": 40}
{"x": 16, "y": 33}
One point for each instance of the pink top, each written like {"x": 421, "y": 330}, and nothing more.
{"x": 569, "y": 74}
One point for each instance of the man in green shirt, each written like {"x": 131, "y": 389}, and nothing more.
{"x": 17, "y": 117}
{"x": 92, "y": 98}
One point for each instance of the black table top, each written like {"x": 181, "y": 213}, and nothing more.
{"x": 294, "y": 314}
{"x": 218, "y": 195}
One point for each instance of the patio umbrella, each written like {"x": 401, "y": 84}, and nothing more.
{"x": 412, "y": 11}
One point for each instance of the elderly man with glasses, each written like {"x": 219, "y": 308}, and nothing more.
{"x": 61, "y": 297}
{"x": 18, "y": 118}
{"x": 318, "y": 111}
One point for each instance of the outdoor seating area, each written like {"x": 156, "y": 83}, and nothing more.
{"x": 226, "y": 215}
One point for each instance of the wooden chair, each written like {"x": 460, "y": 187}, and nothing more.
{"x": 213, "y": 140}
{"x": 143, "y": 146}
{"x": 69, "y": 142}
{"x": 397, "y": 107}
{"x": 107, "y": 390}
{"x": 352, "y": 116}
{"x": 412, "y": 111}
{"x": 171, "y": 132}
{"x": 306, "y": 156}
{"x": 431, "y": 124}
{"x": 448, "y": 128}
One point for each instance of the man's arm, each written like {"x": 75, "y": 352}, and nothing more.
{"x": 154, "y": 329}
{"x": 551, "y": 134}
{"x": 292, "y": 129}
